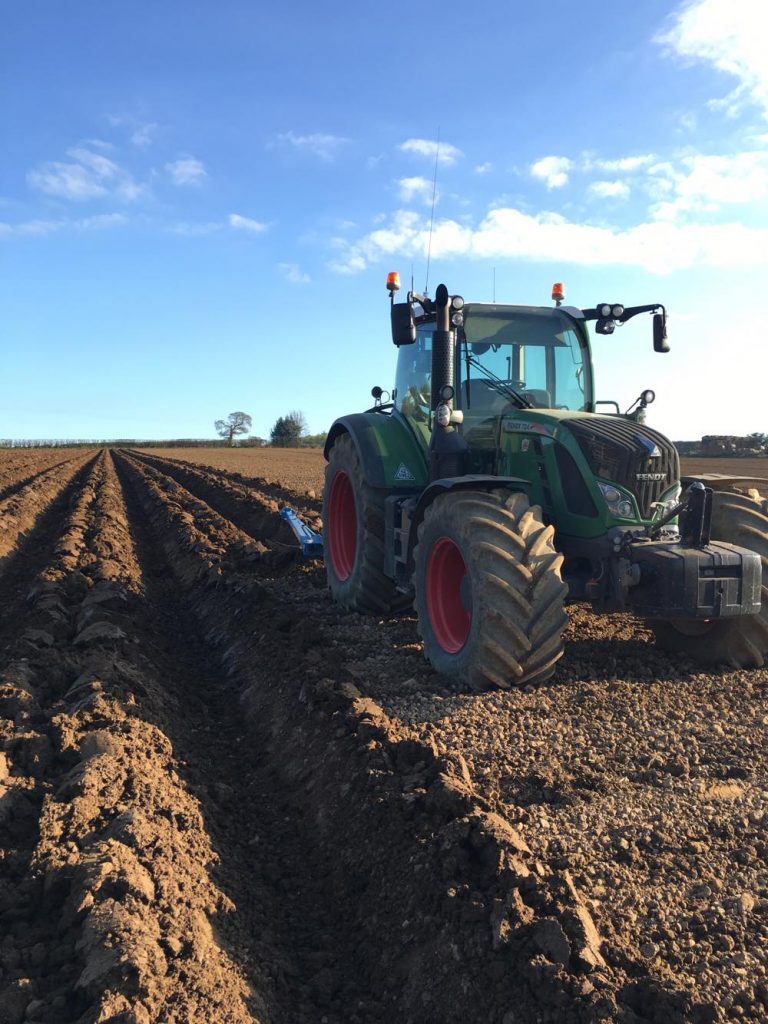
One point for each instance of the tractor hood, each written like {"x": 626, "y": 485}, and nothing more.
{"x": 616, "y": 449}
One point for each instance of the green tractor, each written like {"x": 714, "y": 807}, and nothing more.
{"x": 489, "y": 493}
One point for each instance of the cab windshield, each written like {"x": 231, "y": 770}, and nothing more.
{"x": 529, "y": 352}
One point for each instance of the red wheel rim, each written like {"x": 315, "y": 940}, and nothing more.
{"x": 449, "y": 617}
{"x": 342, "y": 527}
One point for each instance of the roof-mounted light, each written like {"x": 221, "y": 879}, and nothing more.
{"x": 558, "y": 291}
{"x": 393, "y": 282}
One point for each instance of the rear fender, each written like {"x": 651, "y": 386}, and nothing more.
{"x": 390, "y": 455}
{"x": 472, "y": 482}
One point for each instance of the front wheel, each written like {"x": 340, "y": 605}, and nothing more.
{"x": 488, "y": 589}
{"x": 741, "y": 642}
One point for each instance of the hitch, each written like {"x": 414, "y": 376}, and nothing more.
{"x": 696, "y": 517}
{"x": 311, "y": 543}
{"x": 696, "y": 520}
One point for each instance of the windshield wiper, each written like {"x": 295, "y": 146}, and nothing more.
{"x": 497, "y": 383}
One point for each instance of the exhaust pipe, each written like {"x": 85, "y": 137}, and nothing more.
{"x": 443, "y": 346}
{"x": 448, "y": 451}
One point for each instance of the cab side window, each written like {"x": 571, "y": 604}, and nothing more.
{"x": 414, "y": 375}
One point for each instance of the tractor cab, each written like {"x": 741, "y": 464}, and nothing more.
{"x": 509, "y": 357}
{"x": 522, "y": 352}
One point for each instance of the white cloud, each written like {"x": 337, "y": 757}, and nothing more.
{"x": 39, "y": 227}
{"x": 553, "y": 170}
{"x": 101, "y": 221}
{"x": 731, "y": 35}
{"x": 142, "y": 132}
{"x": 292, "y": 272}
{"x": 49, "y": 227}
{"x": 705, "y": 183}
{"x": 143, "y": 135}
{"x": 319, "y": 144}
{"x": 187, "y": 171}
{"x": 256, "y": 227}
{"x": 610, "y": 189}
{"x": 190, "y": 229}
{"x": 624, "y": 164}
{"x": 92, "y": 175}
{"x": 415, "y": 188}
{"x": 70, "y": 181}
{"x": 446, "y": 153}
{"x": 483, "y": 168}
{"x": 507, "y": 233}
{"x": 101, "y": 166}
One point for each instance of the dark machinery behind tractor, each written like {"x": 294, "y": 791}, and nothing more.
{"x": 489, "y": 493}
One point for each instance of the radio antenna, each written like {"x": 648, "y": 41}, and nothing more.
{"x": 494, "y": 284}
{"x": 432, "y": 215}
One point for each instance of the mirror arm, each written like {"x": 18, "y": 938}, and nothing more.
{"x": 629, "y": 312}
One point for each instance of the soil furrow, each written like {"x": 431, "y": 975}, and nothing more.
{"x": 441, "y": 890}
{"x": 20, "y": 474}
{"x": 268, "y": 863}
{"x": 109, "y": 907}
{"x": 250, "y": 508}
{"x": 22, "y": 509}
{"x": 303, "y": 479}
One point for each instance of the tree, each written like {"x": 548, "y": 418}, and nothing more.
{"x": 236, "y": 423}
{"x": 288, "y": 429}
{"x": 314, "y": 440}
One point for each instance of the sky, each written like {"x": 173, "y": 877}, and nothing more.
{"x": 199, "y": 203}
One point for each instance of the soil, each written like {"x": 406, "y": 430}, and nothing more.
{"x": 222, "y": 799}
{"x": 297, "y": 469}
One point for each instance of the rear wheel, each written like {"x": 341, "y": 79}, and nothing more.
{"x": 740, "y": 642}
{"x": 489, "y": 591}
{"x": 353, "y": 535}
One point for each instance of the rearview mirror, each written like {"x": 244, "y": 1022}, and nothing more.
{"x": 660, "y": 343}
{"x": 403, "y": 326}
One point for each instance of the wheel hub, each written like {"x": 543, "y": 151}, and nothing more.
{"x": 449, "y": 595}
{"x": 342, "y": 527}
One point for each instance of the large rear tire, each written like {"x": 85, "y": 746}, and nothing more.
{"x": 488, "y": 589}
{"x": 353, "y": 536}
{"x": 739, "y": 642}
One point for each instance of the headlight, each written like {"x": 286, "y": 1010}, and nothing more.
{"x": 619, "y": 503}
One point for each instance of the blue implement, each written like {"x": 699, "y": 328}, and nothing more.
{"x": 311, "y": 542}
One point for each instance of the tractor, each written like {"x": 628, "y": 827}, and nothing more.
{"x": 487, "y": 491}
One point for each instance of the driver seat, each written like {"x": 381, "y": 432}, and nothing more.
{"x": 484, "y": 400}
{"x": 538, "y": 397}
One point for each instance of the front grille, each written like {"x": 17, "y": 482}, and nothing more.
{"x": 614, "y": 449}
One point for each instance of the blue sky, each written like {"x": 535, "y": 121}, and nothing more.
{"x": 199, "y": 203}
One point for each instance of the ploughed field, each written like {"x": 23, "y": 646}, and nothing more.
{"x": 222, "y": 799}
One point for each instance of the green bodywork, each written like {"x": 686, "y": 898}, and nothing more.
{"x": 392, "y": 449}
{"x": 521, "y": 443}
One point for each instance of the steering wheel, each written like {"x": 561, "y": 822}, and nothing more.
{"x": 517, "y": 385}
